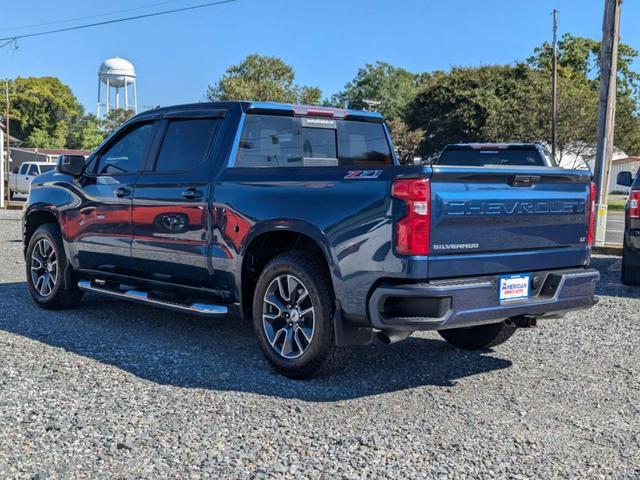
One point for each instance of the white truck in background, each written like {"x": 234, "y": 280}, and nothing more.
{"x": 20, "y": 178}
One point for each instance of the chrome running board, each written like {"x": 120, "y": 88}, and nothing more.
{"x": 143, "y": 297}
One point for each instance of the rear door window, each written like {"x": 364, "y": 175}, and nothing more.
{"x": 23, "y": 168}
{"x": 186, "y": 144}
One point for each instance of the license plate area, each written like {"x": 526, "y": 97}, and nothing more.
{"x": 513, "y": 287}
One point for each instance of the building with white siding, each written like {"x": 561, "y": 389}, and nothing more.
{"x": 626, "y": 164}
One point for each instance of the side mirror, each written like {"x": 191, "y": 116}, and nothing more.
{"x": 71, "y": 165}
{"x": 625, "y": 179}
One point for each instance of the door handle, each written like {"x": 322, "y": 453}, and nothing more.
{"x": 122, "y": 192}
{"x": 191, "y": 194}
{"x": 88, "y": 210}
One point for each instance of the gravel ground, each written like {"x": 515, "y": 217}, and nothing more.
{"x": 117, "y": 390}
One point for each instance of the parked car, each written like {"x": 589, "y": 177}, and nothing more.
{"x": 20, "y": 179}
{"x": 303, "y": 217}
{"x": 631, "y": 242}
{"x": 485, "y": 154}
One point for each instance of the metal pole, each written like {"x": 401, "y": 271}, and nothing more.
{"x": 98, "y": 109}
{"x": 7, "y": 158}
{"x": 108, "y": 98}
{"x": 2, "y": 170}
{"x": 126, "y": 94}
{"x": 554, "y": 88}
{"x": 606, "y": 111}
{"x": 135, "y": 96}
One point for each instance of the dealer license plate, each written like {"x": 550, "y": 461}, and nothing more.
{"x": 513, "y": 287}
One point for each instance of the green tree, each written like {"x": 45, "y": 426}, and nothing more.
{"x": 502, "y": 104}
{"x": 85, "y": 133}
{"x": 115, "y": 118}
{"x": 393, "y": 87}
{"x": 579, "y": 61}
{"x": 405, "y": 141}
{"x": 262, "y": 78}
{"x": 42, "y": 111}
{"x": 582, "y": 56}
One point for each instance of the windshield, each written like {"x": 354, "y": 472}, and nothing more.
{"x": 469, "y": 157}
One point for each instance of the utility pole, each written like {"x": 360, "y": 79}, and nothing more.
{"x": 606, "y": 111}
{"x": 554, "y": 87}
{"x": 8, "y": 139}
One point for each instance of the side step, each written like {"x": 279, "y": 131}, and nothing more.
{"x": 143, "y": 297}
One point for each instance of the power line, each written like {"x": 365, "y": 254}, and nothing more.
{"x": 108, "y": 22}
{"x": 114, "y": 12}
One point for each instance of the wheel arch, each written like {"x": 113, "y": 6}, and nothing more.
{"x": 36, "y": 216}
{"x": 266, "y": 240}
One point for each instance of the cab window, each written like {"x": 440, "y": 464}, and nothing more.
{"x": 186, "y": 144}
{"x": 127, "y": 153}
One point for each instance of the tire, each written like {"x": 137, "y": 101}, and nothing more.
{"x": 630, "y": 273}
{"x": 11, "y": 194}
{"x": 46, "y": 264}
{"x": 481, "y": 337}
{"x": 297, "y": 341}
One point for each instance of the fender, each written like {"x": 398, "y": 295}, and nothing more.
{"x": 345, "y": 333}
{"x": 293, "y": 226}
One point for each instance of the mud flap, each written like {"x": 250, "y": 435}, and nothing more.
{"x": 347, "y": 335}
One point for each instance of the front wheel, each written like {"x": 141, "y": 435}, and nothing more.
{"x": 293, "y": 317}
{"x": 46, "y": 264}
{"x": 480, "y": 337}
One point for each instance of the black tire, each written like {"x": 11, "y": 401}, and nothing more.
{"x": 62, "y": 293}
{"x": 480, "y": 337}
{"x": 11, "y": 194}
{"x": 320, "y": 354}
{"x": 630, "y": 273}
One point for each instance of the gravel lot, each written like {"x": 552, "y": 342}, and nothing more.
{"x": 117, "y": 390}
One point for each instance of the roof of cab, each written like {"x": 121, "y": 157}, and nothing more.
{"x": 276, "y": 108}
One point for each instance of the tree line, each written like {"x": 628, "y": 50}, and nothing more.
{"x": 425, "y": 110}
{"x": 491, "y": 103}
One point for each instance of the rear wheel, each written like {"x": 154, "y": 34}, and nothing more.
{"x": 46, "y": 265}
{"x": 480, "y": 337}
{"x": 293, "y": 317}
{"x": 630, "y": 273}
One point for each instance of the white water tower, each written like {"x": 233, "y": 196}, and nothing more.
{"x": 117, "y": 74}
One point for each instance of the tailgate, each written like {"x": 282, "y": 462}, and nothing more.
{"x": 489, "y": 220}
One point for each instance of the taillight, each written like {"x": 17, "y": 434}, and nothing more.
{"x": 591, "y": 226}
{"x": 413, "y": 230}
{"x": 634, "y": 204}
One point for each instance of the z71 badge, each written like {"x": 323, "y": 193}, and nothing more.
{"x": 362, "y": 174}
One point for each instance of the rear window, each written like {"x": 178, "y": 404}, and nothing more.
{"x": 479, "y": 157}
{"x": 46, "y": 168}
{"x": 273, "y": 141}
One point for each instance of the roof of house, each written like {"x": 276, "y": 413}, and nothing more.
{"x": 52, "y": 151}
{"x": 626, "y": 159}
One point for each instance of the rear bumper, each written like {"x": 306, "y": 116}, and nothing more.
{"x": 474, "y": 301}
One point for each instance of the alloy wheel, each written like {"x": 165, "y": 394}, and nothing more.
{"x": 288, "y": 316}
{"x": 44, "y": 267}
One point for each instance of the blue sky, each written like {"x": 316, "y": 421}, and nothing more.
{"x": 326, "y": 41}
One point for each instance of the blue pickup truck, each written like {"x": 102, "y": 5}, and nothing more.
{"x": 303, "y": 218}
